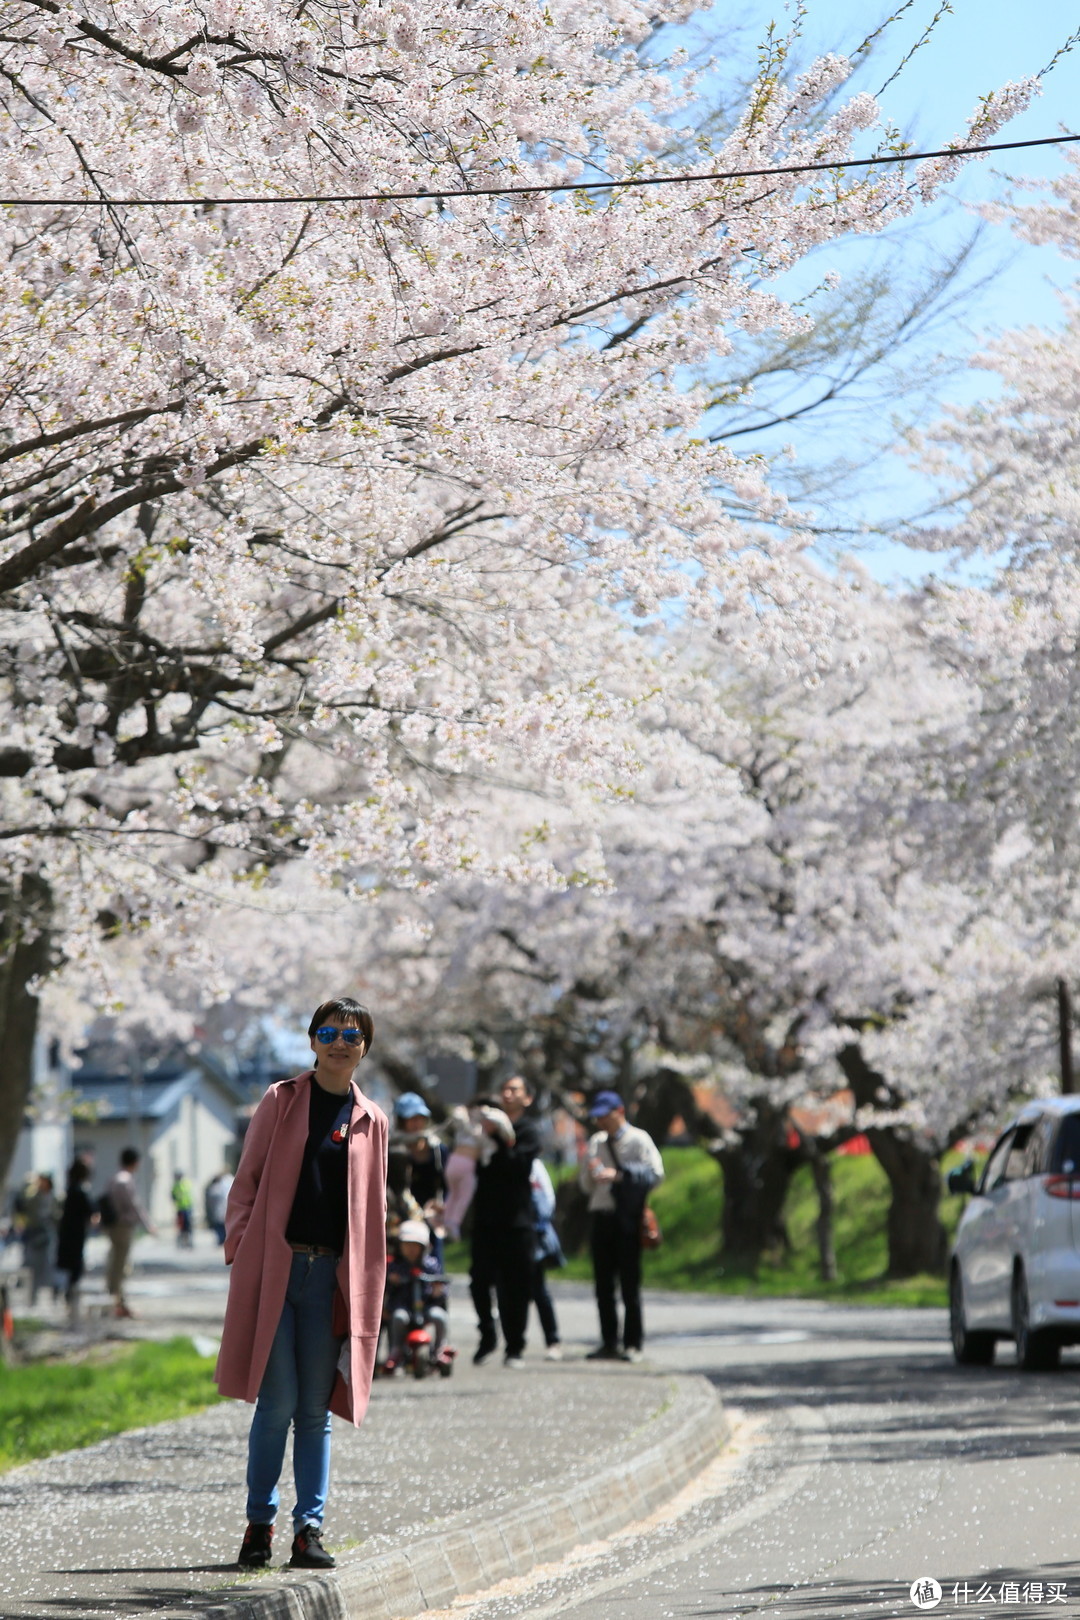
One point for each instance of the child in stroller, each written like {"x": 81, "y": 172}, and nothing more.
{"x": 415, "y": 1306}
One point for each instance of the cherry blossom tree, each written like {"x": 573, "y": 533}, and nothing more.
{"x": 1008, "y": 471}
{"x": 858, "y": 933}
{"x": 307, "y": 503}
{"x": 817, "y": 929}
{"x": 788, "y": 909}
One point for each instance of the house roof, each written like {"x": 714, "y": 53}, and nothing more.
{"x": 155, "y": 1096}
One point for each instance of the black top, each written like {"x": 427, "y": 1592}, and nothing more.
{"x": 74, "y": 1221}
{"x": 503, "y": 1195}
{"x": 427, "y": 1179}
{"x": 320, "y": 1211}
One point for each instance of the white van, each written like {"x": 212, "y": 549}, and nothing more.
{"x": 1015, "y": 1268}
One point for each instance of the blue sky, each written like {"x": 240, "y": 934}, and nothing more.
{"x": 981, "y": 45}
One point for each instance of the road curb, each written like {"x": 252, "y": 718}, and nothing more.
{"x": 479, "y": 1548}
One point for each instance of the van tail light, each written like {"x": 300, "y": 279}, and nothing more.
{"x": 1063, "y": 1186}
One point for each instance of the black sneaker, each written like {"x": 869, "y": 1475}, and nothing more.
{"x": 308, "y": 1551}
{"x": 606, "y": 1352}
{"x": 255, "y": 1551}
{"x": 485, "y": 1349}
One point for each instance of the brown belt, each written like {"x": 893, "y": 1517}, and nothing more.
{"x": 312, "y": 1248}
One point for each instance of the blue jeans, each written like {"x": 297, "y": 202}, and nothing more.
{"x": 296, "y": 1390}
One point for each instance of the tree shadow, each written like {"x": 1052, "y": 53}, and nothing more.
{"x": 228, "y": 1568}
{"x": 792, "y": 1601}
{"x": 885, "y": 1410}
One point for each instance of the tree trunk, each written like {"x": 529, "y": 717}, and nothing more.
{"x": 664, "y": 1097}
{"x": 916, "y": 1237}
{"x": 757, "y": 1172}
{"x": 917, "y": 1240}
{"x": 25, "y": 913}
{"x": 1068, "y": 1079}
{"x": 821, "y": 1169}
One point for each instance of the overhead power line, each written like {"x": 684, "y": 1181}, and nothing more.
{"x": 443, "y": 192}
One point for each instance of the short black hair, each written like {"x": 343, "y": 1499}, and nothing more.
{"x": 129, "y": 1157}
{"x": 350, "y": 1012}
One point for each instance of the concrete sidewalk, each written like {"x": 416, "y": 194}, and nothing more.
{"x": 449, "y": 1487}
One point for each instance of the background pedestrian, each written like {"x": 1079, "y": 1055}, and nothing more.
{"x": 503, "y": 1228}
{"x": 547, "y": 1254}
{"x": 427, "y": 1160}
{"x": 75, "y": 1219}
{"x": 121, "y": 1216}
{"x": 621, "y": 1165}
{"x": 470, "y": 1144}
{"x": 183, "y": 1197}
{"x": 40, "y": 1211}
{"x": 215, "y": 1202}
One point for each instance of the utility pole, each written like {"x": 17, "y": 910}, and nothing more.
{"x": 135, "y": 1110}
{"x": 1065, "y": 1038}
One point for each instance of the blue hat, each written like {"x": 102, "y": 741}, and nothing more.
{"x": 603, "y": 1103}
{"x": 410, "y": 1104}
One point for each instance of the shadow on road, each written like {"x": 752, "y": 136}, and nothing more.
{"x": 917, "y": 1408}
{"x": 836, "y": 1597}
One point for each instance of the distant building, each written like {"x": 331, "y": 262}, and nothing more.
{"x": 454, "y": 1078}
{"x": 180, "y": 1116}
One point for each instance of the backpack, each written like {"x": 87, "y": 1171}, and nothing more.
{"x": 107, "y": 1210}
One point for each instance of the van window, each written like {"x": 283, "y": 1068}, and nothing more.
{"x": 1016, "y": 1164}
{"x": 1065, "y": 1158}
{"x": 995, "y": 1164}
{"x": 1038, "y": 1150}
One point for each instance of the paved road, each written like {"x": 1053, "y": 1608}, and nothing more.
{"x": 864, "y": 1460}
{"x": 149, "y": 1521}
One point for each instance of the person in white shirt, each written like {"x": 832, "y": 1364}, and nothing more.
{"x": 621, "y": 1166}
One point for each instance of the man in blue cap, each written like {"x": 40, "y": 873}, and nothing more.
{"x": 621, "y": 1166}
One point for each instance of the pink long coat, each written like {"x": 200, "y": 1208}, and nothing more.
{"x": 258, "y": 1210}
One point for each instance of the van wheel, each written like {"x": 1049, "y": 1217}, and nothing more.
{"x": 969, "y": 1349}
{"x": 1037, "y": 1350}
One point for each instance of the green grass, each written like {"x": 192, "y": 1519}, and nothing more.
{"x": 688, "y": 1205}
{"x": 58, "y": 1406}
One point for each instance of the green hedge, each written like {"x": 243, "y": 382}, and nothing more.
{"x": 688, "y": 1205}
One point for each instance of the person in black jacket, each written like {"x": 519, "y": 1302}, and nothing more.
{"x": 74, "y": 1224}
{"x": 503, "y": 1236}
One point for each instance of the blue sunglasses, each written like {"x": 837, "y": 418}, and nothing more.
{"x": 328, "y": 1034}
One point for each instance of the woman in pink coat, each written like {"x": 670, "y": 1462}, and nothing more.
{"x": 305, "y": 1237}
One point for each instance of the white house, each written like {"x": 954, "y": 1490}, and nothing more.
{"x": 179, "y": 1118}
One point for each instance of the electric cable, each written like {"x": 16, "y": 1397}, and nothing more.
{"x": 444, "y": 192}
